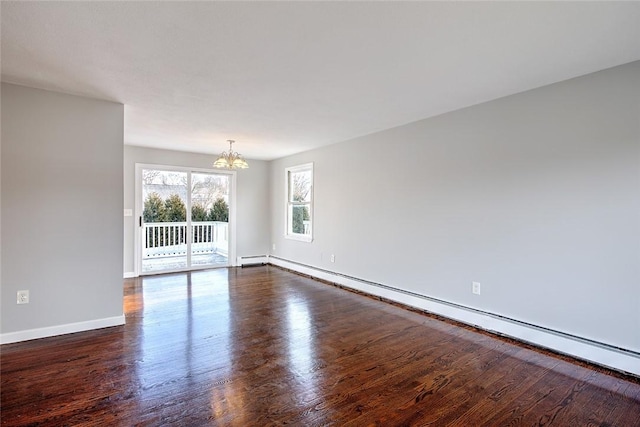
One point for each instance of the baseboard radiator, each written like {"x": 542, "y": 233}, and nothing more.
{"x": 603, "y": 354}
{"x": 252, "y": 261}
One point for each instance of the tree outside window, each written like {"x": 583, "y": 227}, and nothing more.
{"x": 299, "y": 202}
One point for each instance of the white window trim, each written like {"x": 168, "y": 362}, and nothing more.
{"x": 299, "y": 237}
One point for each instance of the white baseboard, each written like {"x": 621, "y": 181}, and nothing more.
{"x": 601, "y": 354}
{"x": 258, "y": 259}
{"x": 129, "y": 275}
{"x": 69, "y": 328}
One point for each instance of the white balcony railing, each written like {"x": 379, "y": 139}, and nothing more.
{"x": 164, "y": 239}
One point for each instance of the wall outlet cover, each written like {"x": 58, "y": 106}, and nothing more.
{"x": 475, "y": 288}
{"x": 23, "y": 297}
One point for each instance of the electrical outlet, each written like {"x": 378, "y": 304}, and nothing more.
{"x": 475, "y": 288}
{"x": 23, "y": 297}
{"x": 333, "y": 258}
{"x": 273, "y": 247}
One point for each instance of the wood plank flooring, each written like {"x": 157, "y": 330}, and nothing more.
{"x": 262, "y": 346}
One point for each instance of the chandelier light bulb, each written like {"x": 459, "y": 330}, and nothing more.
{"x": 230, "y": 159}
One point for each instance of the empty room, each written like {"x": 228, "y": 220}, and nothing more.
{"x": 320, "y": 213}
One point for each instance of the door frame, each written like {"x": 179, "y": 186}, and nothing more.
{"x": 231, "y": 258}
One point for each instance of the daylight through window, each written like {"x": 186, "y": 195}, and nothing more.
{"x": 299, "y": 210}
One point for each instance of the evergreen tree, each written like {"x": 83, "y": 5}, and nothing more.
{"x": 298, "y": 218}
{"x": 219, "y": 211}
{"x": 198, "y": 212}
{"x": 175, "y": 210}
{"x": 154, "y": 210}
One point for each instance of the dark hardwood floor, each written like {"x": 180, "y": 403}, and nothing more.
{"x": 262, "y": 346}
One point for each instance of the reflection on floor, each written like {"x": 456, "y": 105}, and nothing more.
{"x": 265, "y": 347}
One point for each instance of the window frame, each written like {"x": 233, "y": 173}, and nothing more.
{"x": 289, "y": 203}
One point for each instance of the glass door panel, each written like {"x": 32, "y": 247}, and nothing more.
{"x": 164, "y": 221}
{"x": 209, "y": 219}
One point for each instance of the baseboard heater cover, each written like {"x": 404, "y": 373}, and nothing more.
{"x": 616, "y": 358}
{"x": 252, "y": 261}
{"x": 255, "y": 264}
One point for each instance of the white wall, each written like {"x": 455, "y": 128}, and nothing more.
{"x": 536, "y": 196}
{"x": 252, "y": 192}
{"x": 61, "y": 212}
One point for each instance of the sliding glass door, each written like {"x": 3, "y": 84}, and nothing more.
{"x": 209, "y": 219}
{"x": 164, "y": 221}
{"x": 184, "y": 218}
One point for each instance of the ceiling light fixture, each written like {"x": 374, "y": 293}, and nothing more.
{"x": 230, "y": 159}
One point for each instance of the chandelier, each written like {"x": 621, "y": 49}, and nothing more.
{"x": 230, "y": 159}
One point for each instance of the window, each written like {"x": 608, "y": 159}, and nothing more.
{"x": 299, "y": 209}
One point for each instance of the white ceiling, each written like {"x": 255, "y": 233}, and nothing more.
{"x": 286, "y": 77}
